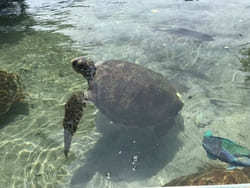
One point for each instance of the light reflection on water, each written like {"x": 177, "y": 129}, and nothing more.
{"x": 147, "y": 33}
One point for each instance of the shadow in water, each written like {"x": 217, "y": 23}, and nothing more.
{"x": 127, "y": 154}
{"x": 15, "y": 21}
{"x": 15, "y": 110}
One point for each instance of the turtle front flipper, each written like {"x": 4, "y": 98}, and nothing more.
{"x": 73, "y": 114}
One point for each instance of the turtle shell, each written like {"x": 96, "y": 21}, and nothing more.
{"x": 10, "y": 91}
{"x": 215, "y": 176}
{"x": 130, "y": 94}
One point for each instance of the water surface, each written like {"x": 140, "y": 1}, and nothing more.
{"x": 172, "y": 38}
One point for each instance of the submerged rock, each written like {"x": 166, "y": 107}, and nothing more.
{"x": 214, "y": 176}
{"x": 11, "y": 91}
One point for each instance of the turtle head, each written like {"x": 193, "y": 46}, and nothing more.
{"x": 84, "y": 66}
{"x": 208, "y": 133}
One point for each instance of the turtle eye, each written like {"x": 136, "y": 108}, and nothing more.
{"x": 74, "y": 63}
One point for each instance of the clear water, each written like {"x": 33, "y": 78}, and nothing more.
{"x": 39, "y": 43}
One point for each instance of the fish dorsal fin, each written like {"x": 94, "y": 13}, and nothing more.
{"x": 208, "y": 133}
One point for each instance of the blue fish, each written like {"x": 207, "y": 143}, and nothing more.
{"x": 226, "y": 150}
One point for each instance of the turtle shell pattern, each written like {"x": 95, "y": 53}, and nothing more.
{"x": 135, "y": 96}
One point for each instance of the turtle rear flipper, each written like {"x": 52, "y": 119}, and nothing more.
{"x": 73, "y": 114}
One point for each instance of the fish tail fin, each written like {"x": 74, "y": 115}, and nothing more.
{"x": 243, "y": 161}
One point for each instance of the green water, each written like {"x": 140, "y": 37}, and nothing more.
{"x": 31, "y": 133}
{"x": 38, "y": 45}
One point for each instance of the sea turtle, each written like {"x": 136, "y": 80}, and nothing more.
{"x": 11, "y": 91}
{"x": 213, "y": 176}
{"x": 127, "y": 93}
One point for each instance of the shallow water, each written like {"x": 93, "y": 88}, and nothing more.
{"x": 39, "y": 43}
